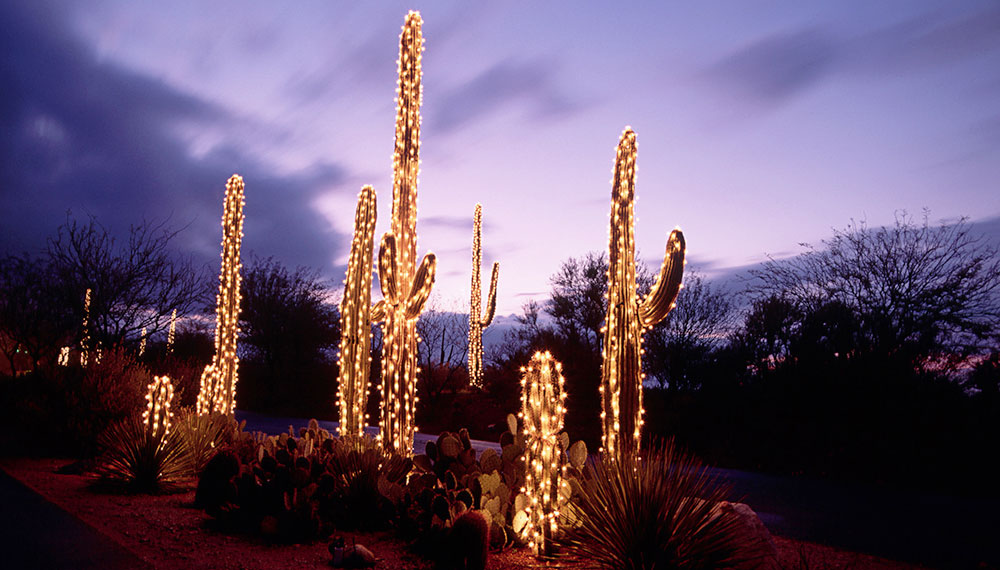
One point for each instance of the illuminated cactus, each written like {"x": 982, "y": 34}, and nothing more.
{"x": 405, "y": 287}
{"x": 218, "y": 381}
{"x": 85, "y": 341}
{"x": 542, "y": 411}
{"x": 157, "y": 415}
{"x": 356, "y": 320}
{"x": 621, "y": 372}
{"x": 476, "y": 322}
{"x": 142, "y": 342}
{"x": 171, "y": 331}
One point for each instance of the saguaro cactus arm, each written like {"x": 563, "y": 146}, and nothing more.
{"x": 661, "y": 297}
{"x": 491, "y": 299}
{"x": 423, "y": 281}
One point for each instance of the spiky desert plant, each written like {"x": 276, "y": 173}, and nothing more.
{"x": 405, "y": 287}
{"x": 356, "y": 320}
{"x": 142, "y": 454}
{"x": 478, "y": 321}
{"x": 628, "y": 316}
{"x": 205, "y": 434}
{"x": 542, "y": 411}
{"x": 218, "y": 381}
{"x": 662, "y": 510}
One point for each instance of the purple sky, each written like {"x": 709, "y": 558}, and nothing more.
{"x": 760, "y": 124}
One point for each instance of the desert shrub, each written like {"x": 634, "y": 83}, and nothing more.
{"x": 658, "y": 511}
{"x": 135, "y": 460}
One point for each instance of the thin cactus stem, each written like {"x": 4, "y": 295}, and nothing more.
{"x": 355, "y": 320}
{"x": 542, "y": 412}
{"x": 218, "y": 381}
{"x": 157, "y": 415}
{"x": 628, "y": 316}
{"x": 478, "y": 321}
{"x": 405, "y": 286}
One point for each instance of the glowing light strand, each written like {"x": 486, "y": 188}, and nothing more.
{"x": 85, "y": 341}
{"x": 542, "y": 411}
{"x": 477, "y": 323}
{"x": 218, "y": 381}
{"x": 628, "y": 316}
{"x": 157, "y": 415}
{"x": 356, "y": 320}
{"x": 142, "y": 342}
{"x": 405, "y": 287}
{"x": 172, "y": 331}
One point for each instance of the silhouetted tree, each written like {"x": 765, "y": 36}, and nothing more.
{"x": 31, "y": 324}
{"x": 442, "y": 353}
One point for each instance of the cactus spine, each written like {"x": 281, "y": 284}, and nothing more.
{"x": 218, "y": 381}
{"x": 356, "y": 320}
{"x": 477, "y": 322}
{"x": 542, "y": 411}
{"x": 627, "y": 317}
{"x": 405, "y": 287}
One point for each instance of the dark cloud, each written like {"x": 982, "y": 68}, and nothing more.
{"x": 532, "y": 85}
{"x": 777, "y": 67}
{"x": 82, "y": 134}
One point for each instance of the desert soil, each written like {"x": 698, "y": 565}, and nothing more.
{"x": 167, "y": 532}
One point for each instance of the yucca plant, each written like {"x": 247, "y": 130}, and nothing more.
{"x": 204, "y": 434}
{"x": 137, "y": 460}
{"x": 661, "y": 510}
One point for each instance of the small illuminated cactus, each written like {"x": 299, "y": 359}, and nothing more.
{"x": 172, "y": 331}
{"x": 477, "y": 321}
{"x": 356, "y": 320}
{"x": 218, "y": 381}
{"x": 542, "y": 411}
{"x": 142, "y": 342}
{"x": 628, "y": 316}
{"x": 157, "y": 416}
{"x": 85, "y": 341}
{"x": 405, "y": 286}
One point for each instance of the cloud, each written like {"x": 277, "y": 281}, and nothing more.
{"x": 531, "y": 85}
{"x": 776, "y": 67}
{"x": 84, "y": 134}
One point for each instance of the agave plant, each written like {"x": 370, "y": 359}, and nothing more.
{"x": 204, "y": 434}
{"x": 661, "y": 510}
{"x": 137, "y": 460}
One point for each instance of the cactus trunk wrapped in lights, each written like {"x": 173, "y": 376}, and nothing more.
{"x": 218, "y": 381}
{"x": 477, "y": 321}
{"x": 157, "y": 416}
{"x": 172, "y": 331}
{"x": 542, "y": 412}
{"x": 405, "y": 286}
{"x": 356, "y": 320}
{"x": 85, "y": 341}
{"x": 628, "y": 316}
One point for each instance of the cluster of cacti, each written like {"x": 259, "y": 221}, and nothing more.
{"x": 85, "y": 341}
{"x": 542, "y": 413}
{"x": 405, "y": 287}
{"x": 299, "y": 488}
{"x": 356, "y": 320}
{"x": 157, "y": 415}
{"x": 477, "y": 321}
{"x": 218, "y": 381}
{"x": 628, "y": 316}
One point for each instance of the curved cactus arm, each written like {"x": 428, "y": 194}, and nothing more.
{"x": 491, "y": 299}
{"x": 378, "y": 311}
{"x": 423, "y": 282}
{"x": 657, "y": 304}
{"x": 387, "y": 268}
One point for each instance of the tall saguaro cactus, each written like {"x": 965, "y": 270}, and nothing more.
{"x": 218, "y": 381}
{"x": 356, "y": 320}
{"x": 542, "y": 411}
{"x": 628, "y": 316}
{"x": 477, "y": 321}
{"x": 405, "y": 287}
